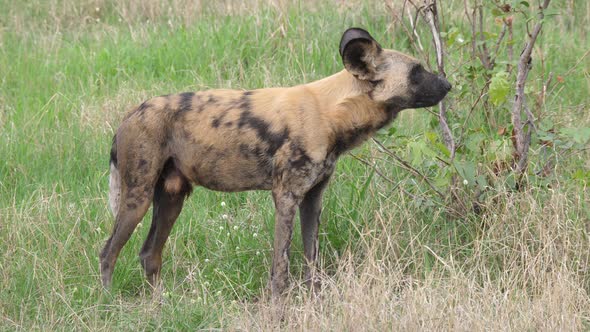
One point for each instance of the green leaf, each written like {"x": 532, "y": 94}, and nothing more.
{"x": 466, "y": 170}
{"x": 473, "y": 142}
{"x": 440, "y": 147}
{"x": 392, "y": 131}
{"x": 499, "y": 88}
{"x": 482, "y": 182}
{"x": 580, "y": 135}
{"x": 431, "y": 136}
{"x": 546, "y": 124}
{"x": 525, "y": 3}
{"x": 499, "y": 149}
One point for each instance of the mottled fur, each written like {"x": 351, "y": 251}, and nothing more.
{"x": 286, "y": 140}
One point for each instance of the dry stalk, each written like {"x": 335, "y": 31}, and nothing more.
{"x": 414, "y": 39}
{"x": 522, "y": 140}
{"x": 509, "y": 47}
{"x": 484, "y": 54}
{"x": 431, "y": 16}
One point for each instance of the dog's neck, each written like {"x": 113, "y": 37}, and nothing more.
{"x": 349, "y": 110}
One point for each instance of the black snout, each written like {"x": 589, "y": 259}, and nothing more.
{"x": 430, "y": 90}
{"x": 427, "y": 89}
{"x": 445, "y": 84}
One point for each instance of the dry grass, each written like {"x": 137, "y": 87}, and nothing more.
{"x": 104, "y": 115}
{"x": 541, "y": 285}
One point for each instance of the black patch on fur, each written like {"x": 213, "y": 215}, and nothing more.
{"x": 299, "y": 157}
{"x": 131, "y": 181}
{"x": 349, "y": 139}
{"x": 244, "y": 102}
{"x": 186, "y": 102}
{"x": 142, "y": 166}
{"x": 142, "y": 108}
{"x": 244, "y": 150}
{"x": 394, "y": 105}
{"x": 229, "y": 124}
{"x": 241, "y": 103}
{"x": 113, "y": 159}
{"x": 261, "y": 127}
{"x": 259, "y": 154}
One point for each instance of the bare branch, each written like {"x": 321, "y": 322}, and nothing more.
{"x": 412, "y": 39}
{"x": 484, "y": 55}
{"x": 374, "y": 167}
{"x": 431, "y": 15}
{"x": 498, "y": 42}
{"x": 522, "y": 140}
{"x": 472, "y": 20}
{"x": 414, "y": 28}
{"x": 509, "y": 47}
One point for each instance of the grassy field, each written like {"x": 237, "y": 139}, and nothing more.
{"x": 393, "y": 254}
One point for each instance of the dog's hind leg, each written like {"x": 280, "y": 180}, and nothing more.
{"x": 137, "y": 179}
{"x": 309, "y": 213}
{"x": 171, "y": 189}
{"x": 128, "y": 216}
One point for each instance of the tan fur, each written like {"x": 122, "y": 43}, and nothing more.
{"x": 286, "y": 140}
{"x": 173, "y": 184}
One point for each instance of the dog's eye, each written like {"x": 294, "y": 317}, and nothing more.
{"x": 375, "y": 83}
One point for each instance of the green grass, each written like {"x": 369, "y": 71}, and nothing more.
{"x": 67, "y": 78}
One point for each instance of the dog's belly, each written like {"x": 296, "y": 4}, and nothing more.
{"x": 227, "y": 170}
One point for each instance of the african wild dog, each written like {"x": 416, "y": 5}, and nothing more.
{"x": 286, "y": 140}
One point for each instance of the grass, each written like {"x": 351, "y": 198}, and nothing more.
{"x": 68, "y": 71}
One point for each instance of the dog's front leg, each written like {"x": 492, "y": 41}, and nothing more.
{"x": 286, "y": 203}
{"x": 309, "y": 212}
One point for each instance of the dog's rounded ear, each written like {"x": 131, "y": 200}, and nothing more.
{"x": 359, "y": 52}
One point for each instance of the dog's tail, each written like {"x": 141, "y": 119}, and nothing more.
{"x": 114, "y": 180}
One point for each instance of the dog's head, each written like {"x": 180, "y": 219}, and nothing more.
{"x": 395, "y": 79}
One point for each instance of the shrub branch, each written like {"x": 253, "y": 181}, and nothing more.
{"x": 522, "y": 140}
{"x": 431, "y": 16}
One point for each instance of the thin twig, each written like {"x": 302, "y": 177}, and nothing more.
{"x": 399, "y": 19}
{"x": 397, "y": 185}
{"x": 409, "y": 167}
{"x": 481, "y": 94}
{"x": 546, "y": 87}
{"x": 374, "y": 167}
{"x": 414, "y": 26}
{"x": 497, "y": 47}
